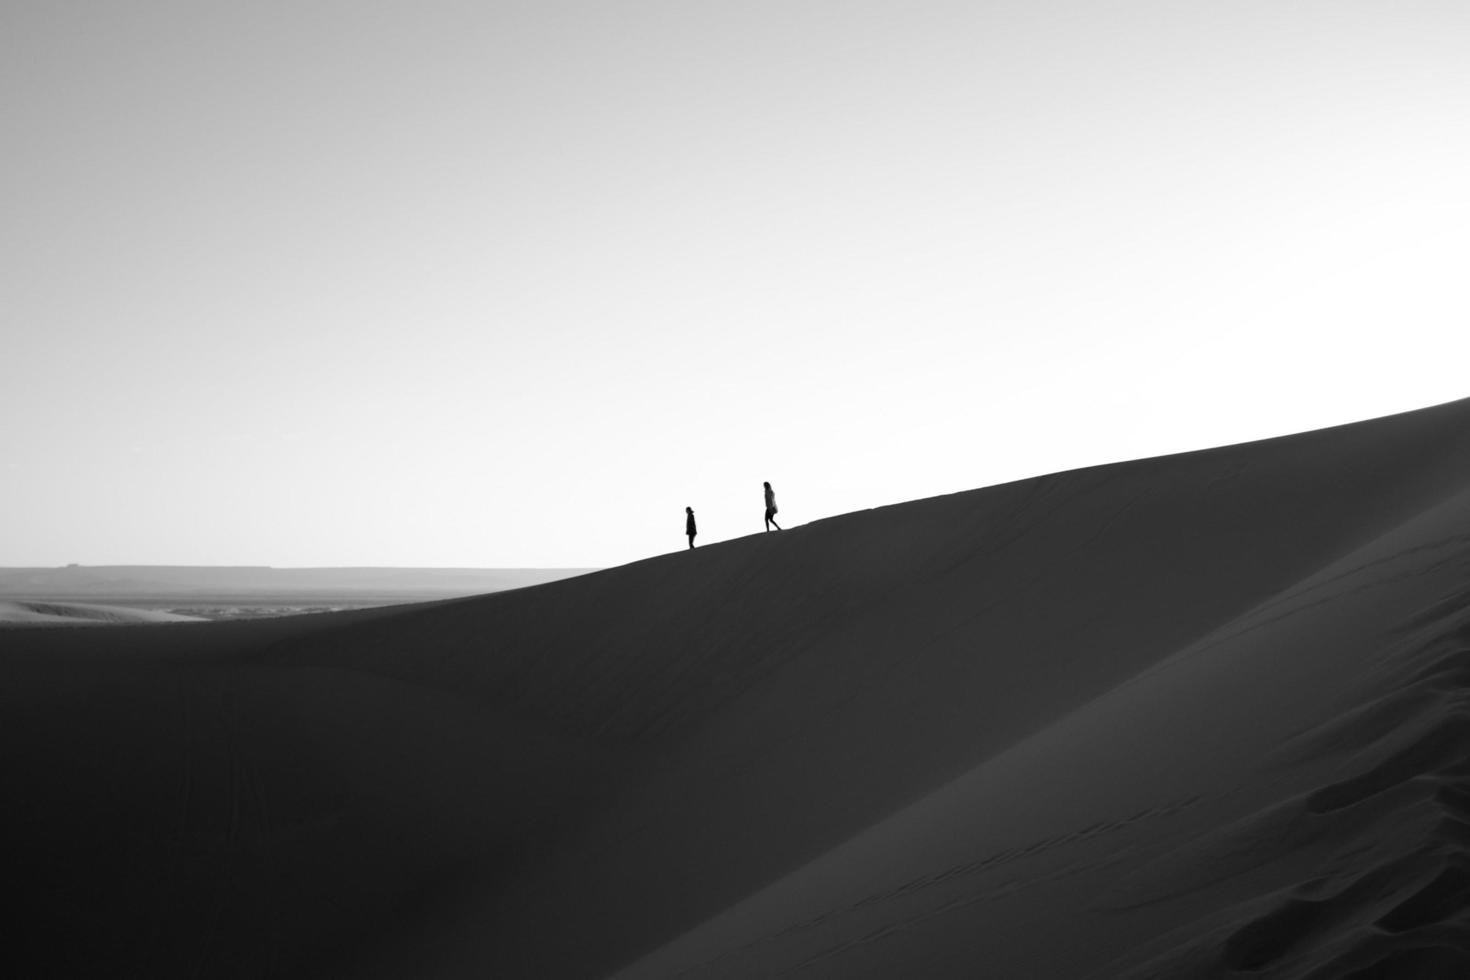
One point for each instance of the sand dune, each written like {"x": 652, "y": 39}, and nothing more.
{"x": 81, "y": 614}
{"x": 111, "y": 580}
{"x": 224, "y": 592}
{"x": 1197, "y": 716}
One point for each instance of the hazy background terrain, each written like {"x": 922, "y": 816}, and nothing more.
{"x": 240, "y": 593}
{"x": 510, "y": 284}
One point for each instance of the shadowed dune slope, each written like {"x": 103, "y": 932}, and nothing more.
{"x": 1177, "y": 717}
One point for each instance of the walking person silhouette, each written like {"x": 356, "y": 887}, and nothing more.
{"x": 771, "y": 508}
{"x": 689, "y": 527}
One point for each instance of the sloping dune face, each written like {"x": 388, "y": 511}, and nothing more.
{"x": 1184, "y": 717}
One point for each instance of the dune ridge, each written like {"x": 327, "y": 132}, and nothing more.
{"x": 1186, "y": 716}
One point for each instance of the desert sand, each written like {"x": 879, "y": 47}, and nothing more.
{"x": 223, "y": 592}
{"x": 1196, "y": 716}
{"x": 33, "y": 613}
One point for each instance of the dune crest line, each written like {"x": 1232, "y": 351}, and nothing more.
{"x": 1203, "y": 713}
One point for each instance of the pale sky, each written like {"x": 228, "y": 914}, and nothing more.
{"x": 480, "y": 283}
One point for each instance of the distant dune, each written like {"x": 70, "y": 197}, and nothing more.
{"x": 214, "y": 580}
{"x": 1200, "y": 716}
{"x": 224, "y": 592}
{"x": 80, "y": 614}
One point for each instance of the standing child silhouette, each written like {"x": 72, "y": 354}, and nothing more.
{"x": 771, "y": 508}
{"x": 689, "y": 527}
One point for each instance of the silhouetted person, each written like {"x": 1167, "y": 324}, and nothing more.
{"x": 771, "y": 508}
{"x": 689, "y": 527}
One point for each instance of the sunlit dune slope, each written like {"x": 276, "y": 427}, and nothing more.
{"x": 1118, "y": 719}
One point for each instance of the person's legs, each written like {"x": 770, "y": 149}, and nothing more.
{"x": 691, "y": 541}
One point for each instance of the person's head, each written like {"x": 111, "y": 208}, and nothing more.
{"x": 688, "y": 510}
{"x": 768, "y": 485}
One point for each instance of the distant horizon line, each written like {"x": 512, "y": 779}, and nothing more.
{"x": 417, "y": 568}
